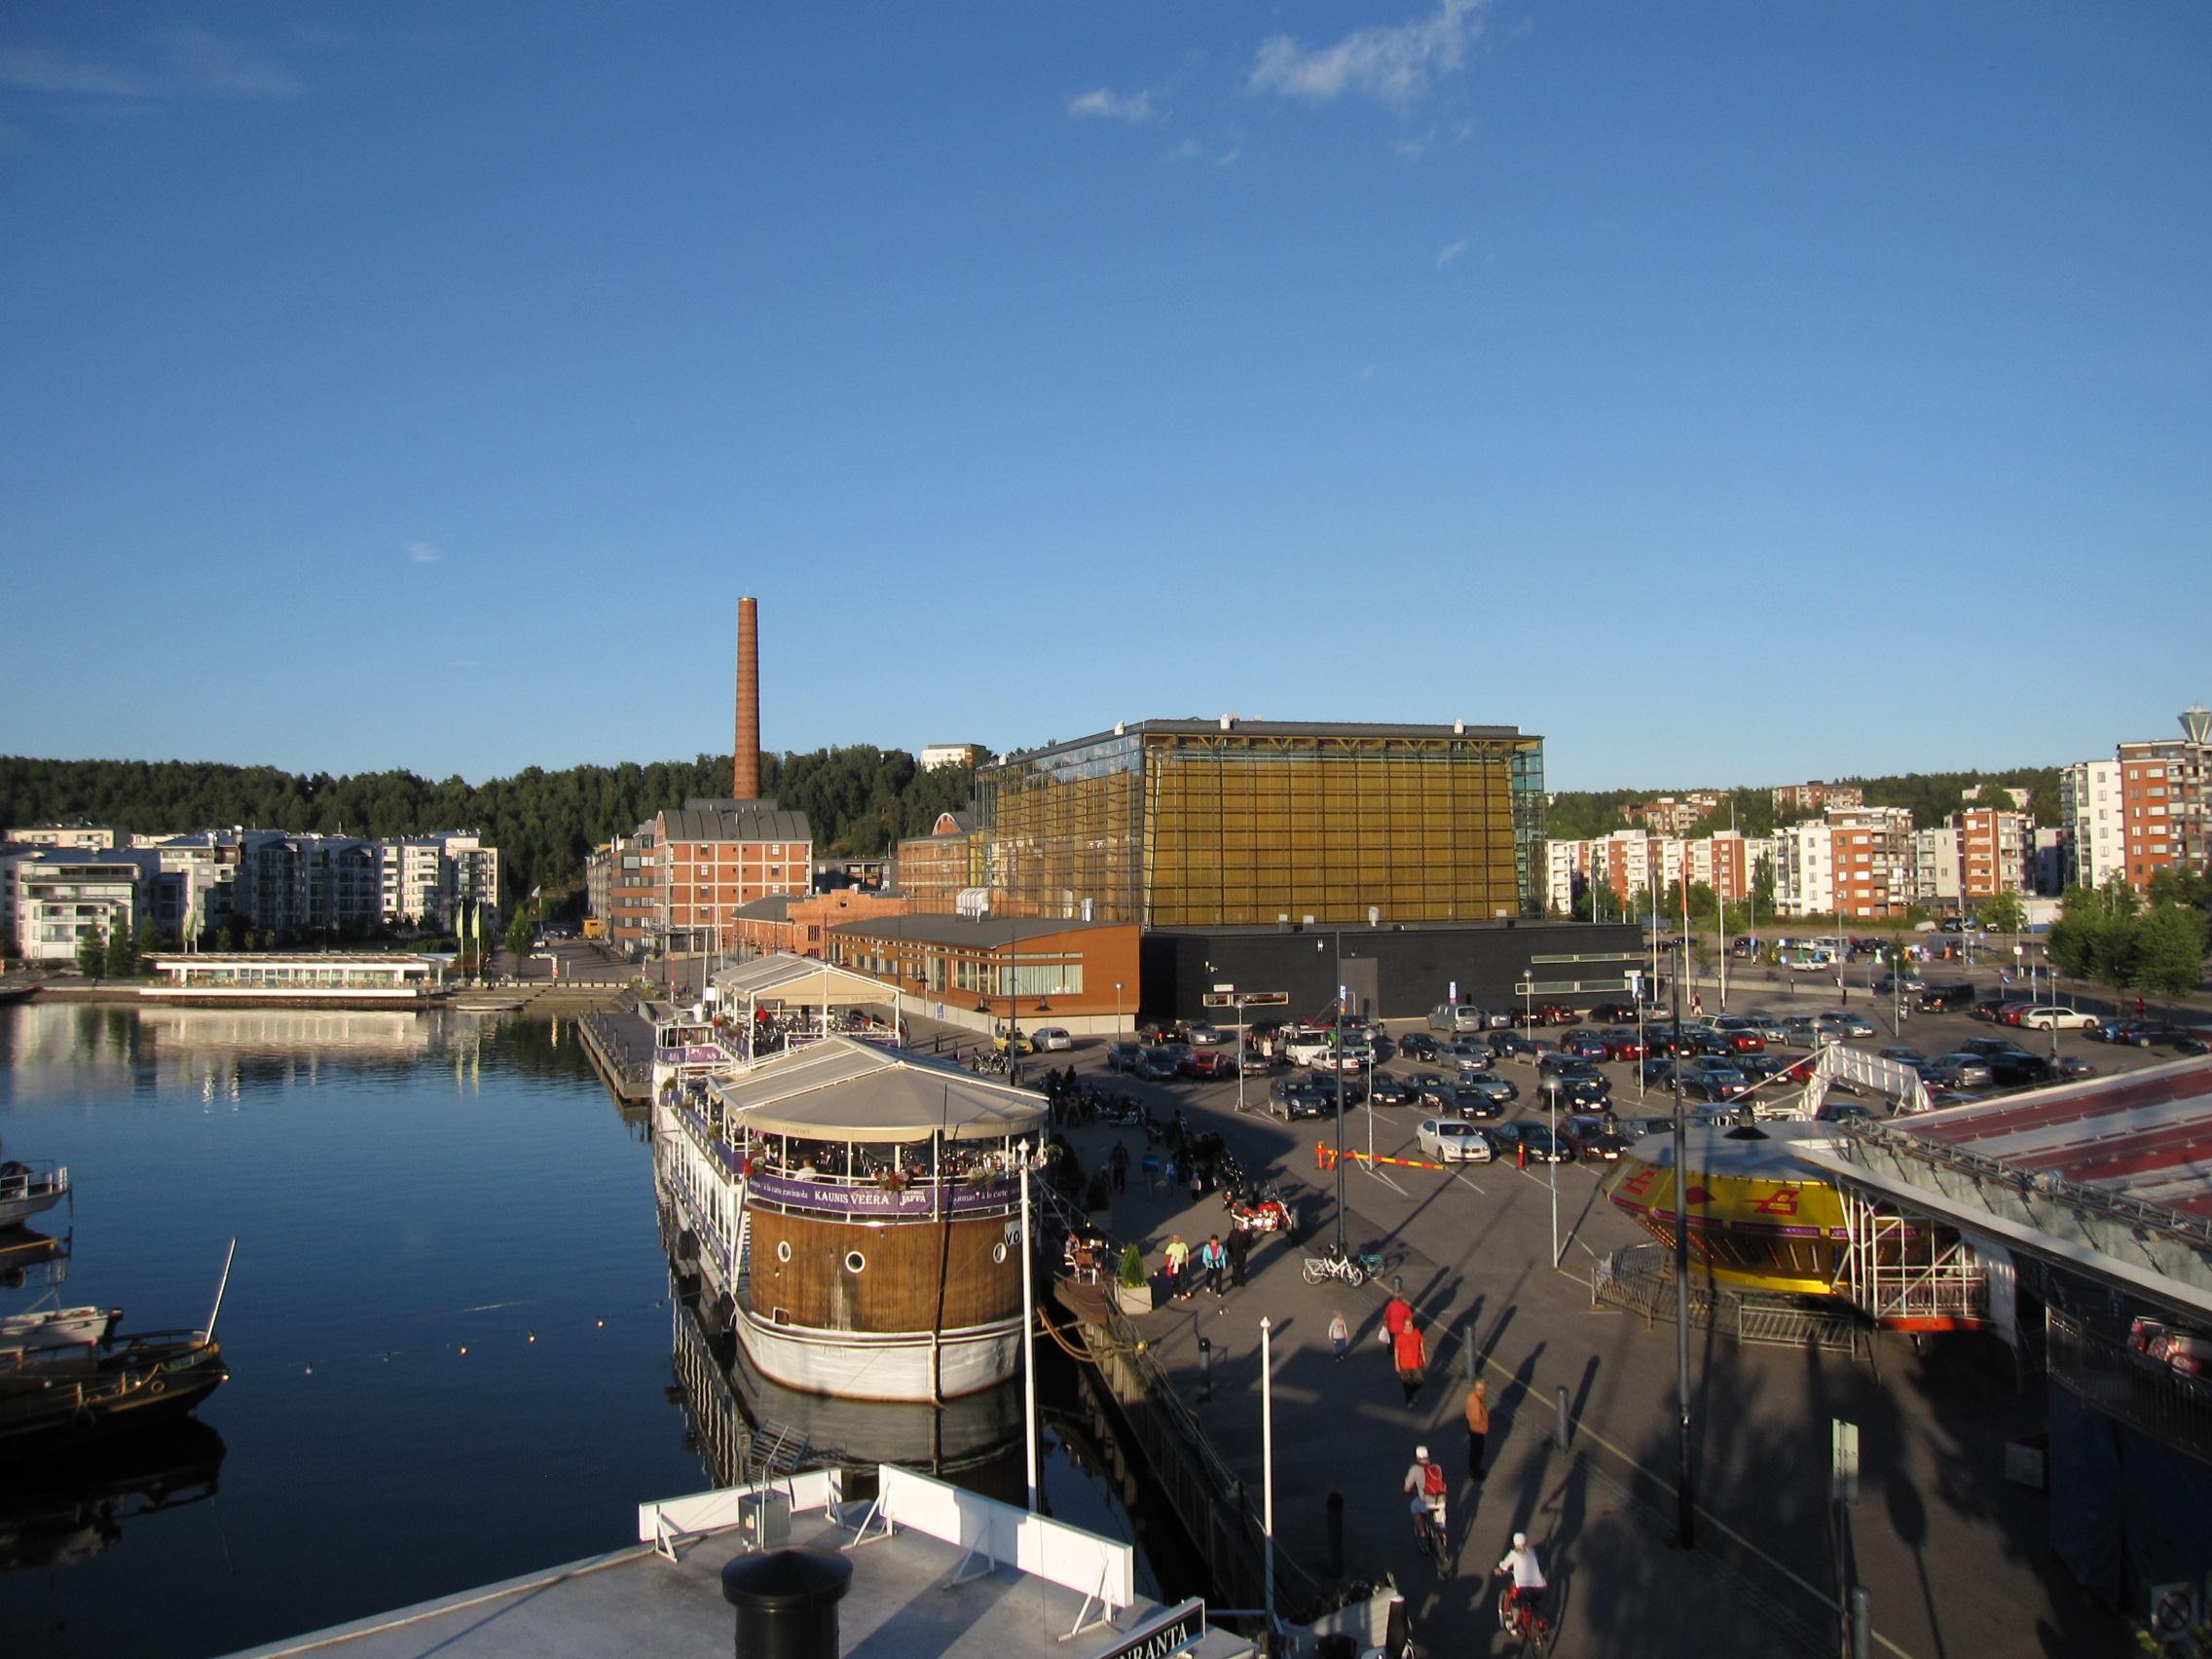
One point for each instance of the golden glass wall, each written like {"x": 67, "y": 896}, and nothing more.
{"x": 1200, "y": 830}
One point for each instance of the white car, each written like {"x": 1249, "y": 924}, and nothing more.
{"x": 1049, "y": 1038}
{"x": 1446, "y": 1140}
{"x": 2057, "y": 1019}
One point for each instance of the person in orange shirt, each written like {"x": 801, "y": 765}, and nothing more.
{"x": 1478, "y": 1428}
{"x": 1411, "y": 1353}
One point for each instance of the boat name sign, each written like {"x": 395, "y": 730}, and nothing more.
{"x": 966, "y": 1197}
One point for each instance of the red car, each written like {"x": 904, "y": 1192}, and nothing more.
{"x": 1206, "y": 1064}
{"x": 1625, "y": 1044}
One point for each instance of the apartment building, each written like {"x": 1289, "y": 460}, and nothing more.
{"x": 75, "y": 837}
{"x": 1993, "y": 852}
{"x": 430, "y": 880}
{"x": 2166, "y": 794}
{"x": 933, "y": 870}
{"x": 1670, "y": 816}
{"x": 716, "y": 856}
{"x": 1793, "y": 801}
{"x": 800, "y": 927}
{"x": 1629, "y": 861}
{"x": 949, "y": 755}
{"x": 2092, "y": 806}
{"x": 1935, "y": 866}
{"x": 63, "y": 896}
{"x": 1870, "y": 859}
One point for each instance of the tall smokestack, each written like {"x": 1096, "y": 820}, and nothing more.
{"x": 745, "y": 770}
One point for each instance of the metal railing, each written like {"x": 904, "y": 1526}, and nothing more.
{"x": 2103, "y": 1372}
{"x": 1639, "y": 1279}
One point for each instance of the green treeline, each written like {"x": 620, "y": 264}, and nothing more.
{"x": 858, "y": 800}
{"x": 1582, "y": 815}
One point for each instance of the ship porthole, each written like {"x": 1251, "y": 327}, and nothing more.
{"x": 998, "y": 1252}
{"x": 783, "y": 1250}
{"x": 855, "y": 1262}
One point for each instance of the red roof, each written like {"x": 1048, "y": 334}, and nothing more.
{"x": 2147, "y": 1134}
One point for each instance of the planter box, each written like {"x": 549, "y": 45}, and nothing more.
{"x": 1134, "y": 1301}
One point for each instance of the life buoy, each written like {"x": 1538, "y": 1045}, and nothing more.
{"x": 157, "y": 1385}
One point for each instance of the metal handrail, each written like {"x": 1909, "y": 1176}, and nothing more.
{"x": 2196, "y": 1231}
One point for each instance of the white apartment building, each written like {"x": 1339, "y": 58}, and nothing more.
{"x": 64, "y": 897}
{"x": 2090, "y": 808}
{"x": 1804, "y": 875}
{"x": 1935, "y": 866}
{"x": 77, "y": 837}
{"x": 949, "y": 755}
{"x": 425, "y": 878}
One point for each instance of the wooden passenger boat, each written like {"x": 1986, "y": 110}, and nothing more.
{"x": 856, "y": 1212}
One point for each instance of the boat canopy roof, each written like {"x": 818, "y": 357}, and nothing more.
{"x": 843, "y": 1088}
{"x": 798, "y": 979}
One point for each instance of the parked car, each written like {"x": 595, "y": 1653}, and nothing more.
{"x": 1773, "y": 1063}
{"x": 1989, "y": 1048}
{"x": 1946, "y": 998}
{"x": 1612, "y": 1013}
{"x": 1585, "y": 1043}
{"x": 1123, "y": 1056}
{"x": 1051, "y": 1039}
{"x": 1653, "y": 1124}
{"x": 2073, "y": 1065}
{"x": 1526, "y": 1137}
{"x": 1903, "y": 1056}
{"x": 2140, "y": 1033}
{"x": 2017, "y": 1069}
{"x": 1466, "y": 1100}
{"x": 1704, "y": 1077}
{"x": 1962, "y": 1071}
{"x": 1448, "y": 1140}
{"x": 1450, "y": 1018}
{"x": 1512, "y": 1045}
{"x": 1499, "y": 1090}
{"x": 1292, "y": 1097}
{"x": 1207, "y": 1064}
{"x": 1531, "y": 1051}
{"x": 1201, "y": 1034}
{"x": 1160, "y": 1065}
{"x": 1417, "y": 1045}
{"x": 1257, "y": 1058}
{"x": 1658, "y": 1070}
{"x": 1024, "y": 1045}
{"x": 2049, "y": 1016}
{"x": 1893, "y": 984}
{"x": 1850, "y": 1025}
{"x": 1591, "y": 1140}
{"x": 1585, "y": 1087}
{"x": 1622, "y": 1042}
{"x": 1845, "y": 1111}
{"x": 1428, "y": 1085}
{"x": 1466, "y": 1054}
{"x": 1391, "y": 1090}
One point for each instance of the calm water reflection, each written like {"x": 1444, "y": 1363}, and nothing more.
{"x": 448, "y": 1329}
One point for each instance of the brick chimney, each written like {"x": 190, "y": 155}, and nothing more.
{"x": 744, "y": 769}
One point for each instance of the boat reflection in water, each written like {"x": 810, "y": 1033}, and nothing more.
{"x": 749, "y": 1427}
{"x": 64, "y": 1507}
{"x": 28, "y": 1256}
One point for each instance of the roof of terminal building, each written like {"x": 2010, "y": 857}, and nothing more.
{"x": 774, "y": 907}
{"x": 844, "y": 1089}
{"x": 1235, "y": 726}
{"x": 989, "y": 931}
{"x": 701, "y": 819}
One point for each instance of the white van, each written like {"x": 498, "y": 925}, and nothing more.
{"x": 1452, "y": 1019}
{"x": 1308, "y": 1047}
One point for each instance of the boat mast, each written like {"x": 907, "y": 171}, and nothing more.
{"x": 208, "y": 1335}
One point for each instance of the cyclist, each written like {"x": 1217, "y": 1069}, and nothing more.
{"x": 1528, "y": 1574}
{"x": 1425, "y": 1484}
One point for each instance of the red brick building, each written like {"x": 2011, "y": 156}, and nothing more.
{"x": 933, "y": 870}
{"x": 1080, "y": 974}
{"x": 716, "y": 856}
{"x": 1993, "y": 850}
{"x": 800, "y": 927}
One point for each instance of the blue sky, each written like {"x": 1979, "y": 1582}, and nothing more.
{"x": 1732, "y": 393}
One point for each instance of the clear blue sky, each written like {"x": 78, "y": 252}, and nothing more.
{"x": 1728, "y": 392}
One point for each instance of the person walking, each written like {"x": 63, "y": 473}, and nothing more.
{"x": 1239, "y": 1252}
{"x": 1398, "y": 1315}
{"x": 1118, "y": 1160}
{"x": 1213, "y": 1262}
{"x": 1478, "y": 1428}
{"x": 1697, "y": 1006}
{"x": 1151, "y": 1173}
{"x": 1178, "y": 1256}
{"x": 1411, "y": 1355}
{"x": 1340, "y": 1335}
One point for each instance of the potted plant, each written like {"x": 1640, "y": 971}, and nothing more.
{"x": 1132, "y": 1290}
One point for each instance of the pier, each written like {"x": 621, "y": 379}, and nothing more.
{"x": 621, "y": 1043}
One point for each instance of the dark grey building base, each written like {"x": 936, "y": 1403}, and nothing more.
{"x": 1393, "y": 972}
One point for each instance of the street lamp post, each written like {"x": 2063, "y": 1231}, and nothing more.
{"x": 1685, "y": 1499}
{"x": 1117, "y": 1011}
{"x": 1342, "y": 1248}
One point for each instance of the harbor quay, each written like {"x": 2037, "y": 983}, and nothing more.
{"x": 1952, "y": 1553}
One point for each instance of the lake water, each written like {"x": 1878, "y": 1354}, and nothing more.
{"x": 448, "y": 1330}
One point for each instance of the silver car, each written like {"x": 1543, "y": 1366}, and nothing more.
{"x": 1446, "y": 1140}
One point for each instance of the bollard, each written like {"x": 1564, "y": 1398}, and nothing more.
{"x": 1862, "y": 1624}
{"x": 1205, "y": 1370}
{"x": 1558, "y": 1406}
{"x": 1335, "y": 1536}
{"x": 1521, "y": 1155}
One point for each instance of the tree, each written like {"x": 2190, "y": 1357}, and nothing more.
{"x": 2168, "y": 955}
{"x": 122, "y": 955}
{"x": 91, "y": 953}
{"x": 519, "y": 933}
{"x": 2003, "y": 913}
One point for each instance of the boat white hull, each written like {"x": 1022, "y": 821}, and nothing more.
{"x": 56, "y": 1330}
{"x": 869, "y": 1365}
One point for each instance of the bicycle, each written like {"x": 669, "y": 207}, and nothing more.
{"x": 1522, "y": 1617}
{"x": 1432, "y": 1535}
{"x": 1332, "y": 1266}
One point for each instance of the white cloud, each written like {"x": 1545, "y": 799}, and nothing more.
{"x": 1413, "y": 149}
{"x": 1391, "y": 65}
{"x": 41, "y": 69}
{"x": 1106, "y": 104}
{"x": 425, "y": 552}
{"x": 1451, "y": 251}
{"x": 182, "y": 61}
{"x": 1189, "y": 150}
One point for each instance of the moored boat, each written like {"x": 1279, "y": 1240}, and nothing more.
{"x": 30, "y": 1189}
{"x": 856, "y": 1212}
{"x": 56, "y": 1330}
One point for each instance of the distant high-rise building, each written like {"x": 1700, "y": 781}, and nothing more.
{"x": 2092, "y": 809}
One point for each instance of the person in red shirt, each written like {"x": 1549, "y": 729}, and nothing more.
{"x": 1411, "y": 1353}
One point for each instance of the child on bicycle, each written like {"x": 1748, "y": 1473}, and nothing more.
{"x": 1528, "y": 1574}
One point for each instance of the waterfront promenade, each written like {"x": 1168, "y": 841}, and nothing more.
{"x": 1954, "y": 1557}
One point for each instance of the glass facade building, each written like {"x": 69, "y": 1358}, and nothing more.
{"x": 1176, "y": 824}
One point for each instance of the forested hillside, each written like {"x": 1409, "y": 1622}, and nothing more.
{"x": 1578, "y": 815}
{"x": 859, "y": 800}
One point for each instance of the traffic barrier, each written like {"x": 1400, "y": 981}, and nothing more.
{"x": 1325, "y": 1158}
